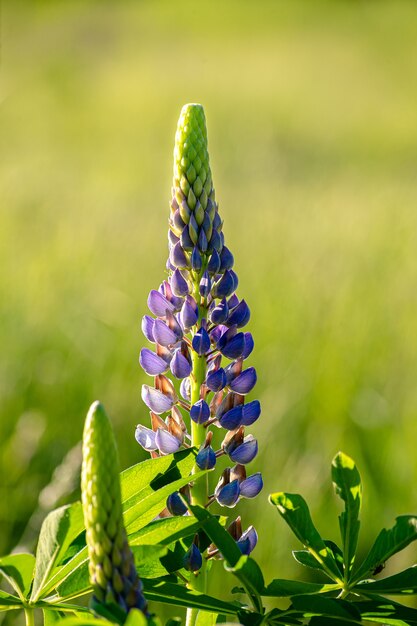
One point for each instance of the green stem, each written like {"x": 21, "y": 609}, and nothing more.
{"x": 199, "y": 491}
{"x": 30, "y": 616}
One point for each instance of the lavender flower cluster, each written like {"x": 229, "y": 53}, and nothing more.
{"x": 196, "y": 332}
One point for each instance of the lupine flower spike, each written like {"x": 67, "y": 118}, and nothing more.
{"x": 112, "y": 569}
{"x": 196, "y": 329}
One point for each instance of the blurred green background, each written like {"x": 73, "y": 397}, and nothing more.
{"x": 312, "y": 119}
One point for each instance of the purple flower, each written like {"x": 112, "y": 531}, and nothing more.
{"x": 166, "y": 443}
{"x": 200, "y": 412}
{"x": 225, "y": 286}
{"x": 177, "y": 256}
{"x": 245, "y": 382}
{"x": 226, "y": 259}
{"x": 147, "y": 327}
{"x": 231, "y": 419}
{"x": 240, "y": 315}
{"x": 220, "y": 312}
{"x": 179, "y": 285}
{"x": 229, "y": 494}
{"x": 176, "y": 505}
{"x": 158, "y": 304}
{"x": 157, "y": 401}
{"x": 193, "y": 559}
{"x": 185, "y": 389}
{"x": 163, "y": 334}
{"x": 234, "y": 348}
{"x": 205, "y": 285}
{"x": 248, "y": 540}
{"x": 249, "y": 345}
{"x": 251, "y": 486}
{"x": 152, "y": 363}
{"x": 188, "y": 313}
{"x": 180, "y": 365}
{"x": 251, "y": 412}
{"x": 206, "y": 458}
{"x": 201, "y": 341}
{"x": 215, "y": 381}
{"x": 245, "y": 452}
{"x": 145, "y": 438}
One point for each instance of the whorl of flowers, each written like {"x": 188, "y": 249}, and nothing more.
{"x": 112, "y": 568}
{"x": 196, "y": 329}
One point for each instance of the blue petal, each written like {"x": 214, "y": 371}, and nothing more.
{"x": 180, "y": 365}
{"x": 177, "y": 256}
{"x": 234, "y": 348}
{"x": 246, "y": 452}
{"x": 186, "y": 241}
{"x": 156, "y": 400}
{"x": 196, "y": 260}
{"x": 249, "y": 345}
{"x": 226, "y": 259}
{"x": 216, "y": 381}
{"x": 193, "y": 559}
{"x": 200, "y": 412}
{"x": 145, "y": 438}
{"x": 206, "y": 458}
{"x": 232, "y": 419}
{"x": 202, "y": 241}
{"x": 185, "y": 389}
{"x": 167, "y": 443}
{"x": 240, "y": 315}
{"x": 176, "y": 505}
{"x": 219, "y": 313}
{"x": 248, "y": 540}
{"x": 229, "y": 494}
{"x": 152, "y": 363}
{"x": 213, "y": 265}
{"x": 251, "y": 486}
{"x": 201, "y": 341}
{"x": 158, "y": 304}
{"x": 245, "y": 382}
{"x": 225, "y": 286}
{"x": 205, "y": 285}
{"x": 251, "y": 412}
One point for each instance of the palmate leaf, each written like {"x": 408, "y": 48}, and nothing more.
{"x": 18, "y": 569}
{"x": 312, "y": 605}
{"x": 388, "y": 543}
{"x": 294, "y": 510}
{"x": 404, "y": 584}
{"x": 165, "y": 530}
{"x": 382, "y": 611}
{"x": 347, "y": 484}
{"x": 9, "y": 601}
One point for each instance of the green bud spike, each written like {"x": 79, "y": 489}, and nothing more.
{"x": 112, "y": 568}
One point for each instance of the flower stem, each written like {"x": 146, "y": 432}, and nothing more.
{"x": 199, "y": 491}
{"x": 30, "y": 616}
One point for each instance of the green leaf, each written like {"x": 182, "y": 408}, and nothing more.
{"x": 144, "y": 506}
{"x": 281, "y": 588}
{"x": 249, "y": 573}
{"x": 165, "y": 530}
{"x": 171, "y": 593}
{"x": 388, "y": 543}
{"x": 294, "y": 510}
{"x": 8, "y": 601}
{"x": 387, "y": 612}
{"x": 205, "y": 618}
{"x": 84, "y": 620}
{"x": 17, "y": 569}
{"x": 347, "y": 484}
{"x": 52, "y": 617}
{"x": 58, "y": 531}
{"x": 218, "y": 535}
{"x": 311, "y": 605}
{"x": 404, "y": 583}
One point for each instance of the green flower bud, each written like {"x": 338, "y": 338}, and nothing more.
{"x": 112, "y": 569}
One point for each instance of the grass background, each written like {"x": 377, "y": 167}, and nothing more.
{"x": 311, "y": 110}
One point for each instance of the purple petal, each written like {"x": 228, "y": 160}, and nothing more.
{"x": 145, "y": 438}
{"x": 193, "y": 560}
{"x": 201, "y": 341}
{"x": 177, "y": 256}
{"x": 248, "y": 540}
{"x": 152, "y": 363}
{"x": 206, "y": 458}
{"x": 226, "y": 336}
{"x": 196, "y": 261}
{"x": 163, "y": 334}
{"x": 205, "y": 285}
{"x": 158, "y": 304}
{"x": 234, "y": 348}
{"x": 186, "y": 241}
{"x": 251, "y": 486}
{"x": 219, "y": 313}
{"x": 202, "y": 241}
{"x": 232, "y": 418}
{"x": 176, "y": 505}
{"x": 226, "y": 259}
{"x": 246, "y": 452}
{"x": 240, "y": 315}
{"x": 229, "y": 494}
{"x": 200, "y": 412}
{"x": 216, "y": 381}
{"x": 179, "y": 285}
{"x": 233, "y": 301}
{"x": 225, "y": 286}
{"x": 180, "y": 365}
{"x": 251, "y": 412}
{"x": 249, "y": 345}
{"x": 217, "y": 333}
{"x": 167, "y": 443}
{"x": 156, "y": 400}
{"x": 147, "y": 327}
{"x": 185, "y": 389}
{"x": 213, "y": 265}
{"x": 245, "y": 382}
{"x": 188, "y": 314}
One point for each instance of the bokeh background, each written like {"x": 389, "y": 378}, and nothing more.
{"x": 311, "y": 109}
